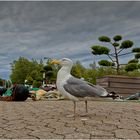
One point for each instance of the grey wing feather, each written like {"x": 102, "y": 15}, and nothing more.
{"x": 80, "y": 88}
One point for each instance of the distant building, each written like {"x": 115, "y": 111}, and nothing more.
{"x": 122, "y": 65}
{"x": 93, "y": 65}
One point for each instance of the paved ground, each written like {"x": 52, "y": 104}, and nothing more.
{"x": 50, "y": 119}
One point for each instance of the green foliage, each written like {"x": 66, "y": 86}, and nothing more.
{"x": 99, "y": 50}
{"x": 105, "y": 63}
{"x": 22, "y": 68}
{"x": 126, "y": 44}
{"x": 34, "y": 74}
{"x": 133, "y": 61}
{"x": 137, "y": 56}
{"x": 134, "y": 73}
{"x": 131, "y": 67}
{"x": 114, "y": 53}
{"x": 38, "y": 78}
{"x": 116, "y": 44}
{"x": 102, "y": 71}
{"x": 50, "y": 72}
{"x": 104, "y": 39}
{"x": 90, "y": 75}
{"x": 29, "y": 80}
{"x": 78, "y": 70}
{"x": 37, "y": 84}
{"x": 1, "y": 82}
{"x": 48, "y": 68}
{"x": 136, "y": 50}
{"x": 42, "y": 71}
{"x": 117, "y": 38}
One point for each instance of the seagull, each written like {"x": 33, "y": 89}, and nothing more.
{"x": 74, "y": 88}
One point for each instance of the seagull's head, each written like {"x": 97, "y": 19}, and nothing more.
{"x": 63, "y": 62}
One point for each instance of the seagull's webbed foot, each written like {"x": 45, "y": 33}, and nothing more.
{"x": 84, "y": 115}
{"x": 70, "y": 116}
{"x": 74, "y": 111}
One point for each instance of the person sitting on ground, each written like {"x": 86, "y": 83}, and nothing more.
{"x": 16, "y": 93}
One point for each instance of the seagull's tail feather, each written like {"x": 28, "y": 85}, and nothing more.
{"x": 102, "y": 92}
{"x": 98, "y": 90}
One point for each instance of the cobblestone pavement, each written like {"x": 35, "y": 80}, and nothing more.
{"x": 51, "y": 120}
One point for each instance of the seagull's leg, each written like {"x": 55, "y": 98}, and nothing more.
{"x": 86, "y": 106}
{"x": 85, "y": 114}
{"x": 74, "y": 108}
{"x": 74, "y": 111}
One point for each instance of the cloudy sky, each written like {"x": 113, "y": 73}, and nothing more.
{"x": 63, "y": 29}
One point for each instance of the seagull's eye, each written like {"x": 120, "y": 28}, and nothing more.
{"x": 63, "y": 59}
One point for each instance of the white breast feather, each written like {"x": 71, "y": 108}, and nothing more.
{"x": 62, "y": 78}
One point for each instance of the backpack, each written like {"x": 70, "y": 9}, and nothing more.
{"x": 20, "y": 93}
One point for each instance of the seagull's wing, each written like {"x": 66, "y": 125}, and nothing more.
{"x": 80, "y": 88}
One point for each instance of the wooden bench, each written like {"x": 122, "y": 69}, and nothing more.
{"x": 120, "y": 84}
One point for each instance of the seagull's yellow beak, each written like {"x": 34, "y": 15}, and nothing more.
{"x": 55, "y": 61}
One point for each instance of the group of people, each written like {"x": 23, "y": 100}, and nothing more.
{"x": 14, "y": 93}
